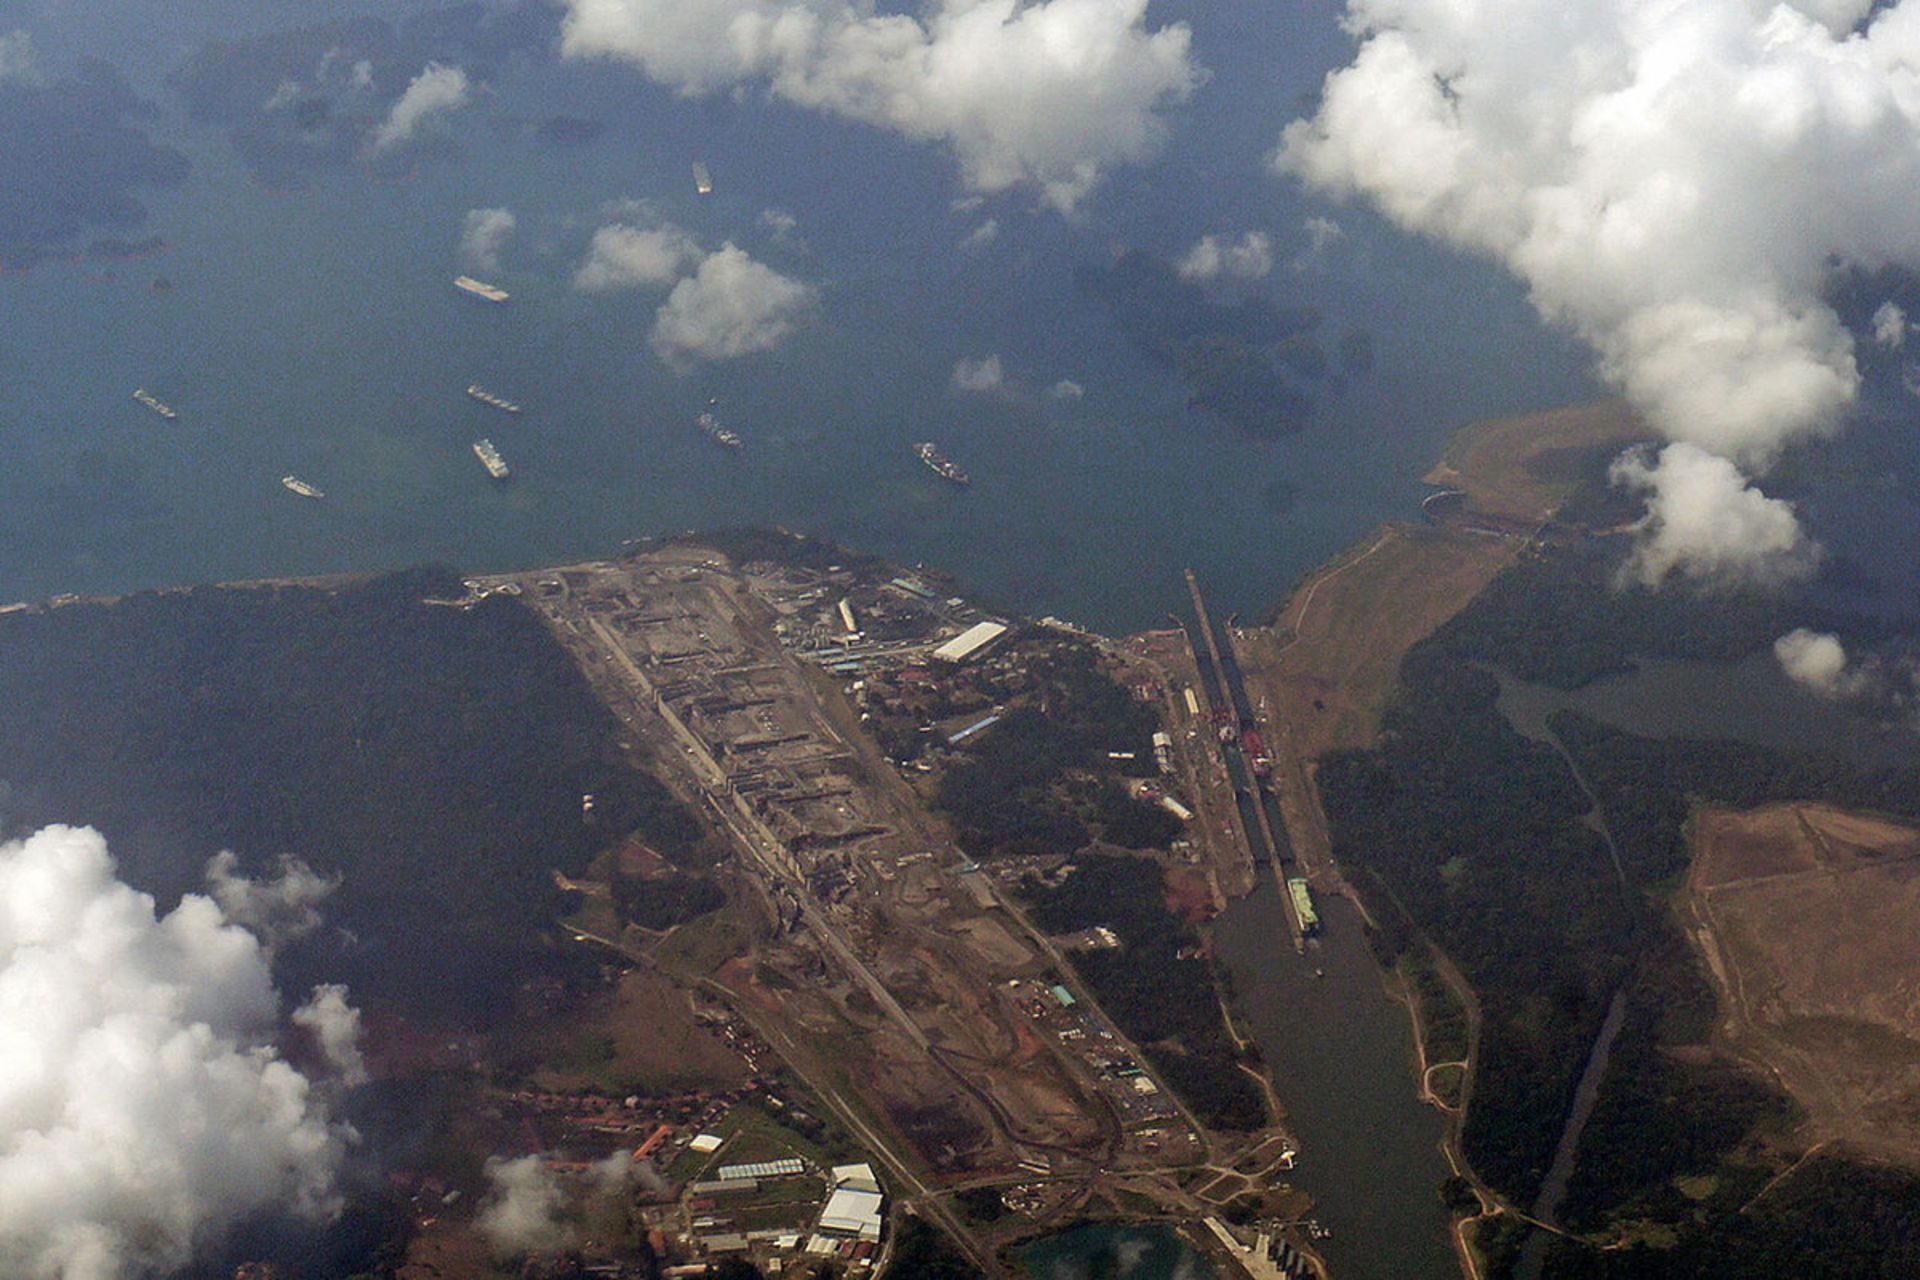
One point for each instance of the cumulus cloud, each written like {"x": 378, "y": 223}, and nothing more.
{"x": 1890, "y": 326}
{"x": 981, "y": 236}
{"x": 1047, "y": 94}
{"x": 614, "y": 1173}
{"x": 17, "y": 61}
{"x": 984, "y": 376}
{"x": 436, "y": 90}
{"x": 1067, "y": 389}
{"x": 335, "y": 1027}
{"x": 521, "y": 1214}
{"x": 623, "y": 256}
{"x": 1705, "y": 522}
{"x": 779, "y": 224}
{"x": 484, "y": 235}
{"x": 731, "y": 306}
{"x": 143, "y": 1108}
{"x": 282, "y": 909}
{"x": 1248, "y": 258}
{"x": 1673, "y": 181}
{"x": 1816, "y": 660}
{"x": 1322, "y": 235}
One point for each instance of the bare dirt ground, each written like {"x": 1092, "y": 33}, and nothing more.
{"x": 657, "y": 1037}
{"x": 1331, "y": 658}
{"x": 1522, "y": 468}
{"x": 1336, "y": 652}
{"x": 1806, "y": 917}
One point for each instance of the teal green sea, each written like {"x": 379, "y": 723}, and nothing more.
{"x": 319, "y": 334}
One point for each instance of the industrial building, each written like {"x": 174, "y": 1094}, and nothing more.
{"x": 852, "y": 1213}
{"x": 854, "y": 1208}
{"x": 859, "y": 1177}
{"x": 970, "y": 642}
{"x": 763, "y": 1169}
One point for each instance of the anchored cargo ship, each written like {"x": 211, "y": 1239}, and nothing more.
{"x": 490, "y": 459}
{"x": 481, "y": 289}
{"x": 702, "y": 179}
{"x": 147, "y": 399}
{"x": 301, "y": 487}
{"x": 710, "y": 426}
{"x": 938, "y": 463}
{"x": 488, "y": 398}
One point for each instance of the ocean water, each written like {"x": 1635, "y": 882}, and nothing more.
{"x": 318, "y": 334}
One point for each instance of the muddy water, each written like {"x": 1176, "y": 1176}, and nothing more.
{"x": 1341, "y": 1053}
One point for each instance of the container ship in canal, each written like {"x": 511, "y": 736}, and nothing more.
{"x": 480, "y": 289}
{"x": 490, "y": 459}
{"x": 487, "y": 397}
{"x": 147, "y": 398}
{"x": 711, "y": 428}
{"x": 941, "y": 465}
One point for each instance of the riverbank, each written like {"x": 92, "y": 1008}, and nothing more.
{"x": 1321, "y": 673}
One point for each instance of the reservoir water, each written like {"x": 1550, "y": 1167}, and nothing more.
{"x": 1747, "y": 701}
{"x": 1115, "y": 1253}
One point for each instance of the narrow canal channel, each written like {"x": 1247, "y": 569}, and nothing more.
{"x": 1341, "y": 1054}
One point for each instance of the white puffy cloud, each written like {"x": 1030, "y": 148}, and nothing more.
{"x": 283, "y": 909}
{"x": 1672, "y": 179}
{"x": 779, "y": 224}
{"x": 981, "y": 236}
{"x": 521, "y": 1214}
{"x": 731, "y": 306}
{"x": 623, "y": 256}
{"x": 484, "y": 235}
{"x": 1704, "y": 521}
{"x": 143, "y": 1108}
{"x": 17, "y": 61}
{"x": 1322, "y": 233}
{"x": 984, "y": 376}
{"x": 1817, "y": 660}
{"x": 1248, "y": 258}
{"x": 1039, "y": 93}
{"x": 335, "y": 1027}
{"x": 435, "y": 90}
{"x": 1067, "y": 389}
{"x": 1890, "y": 326}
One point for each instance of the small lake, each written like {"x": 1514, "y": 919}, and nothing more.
{"x": 1115, "y": 1253}
{"x": 1749, "y": 701}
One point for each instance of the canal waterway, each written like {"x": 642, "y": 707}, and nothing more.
{"x": 1342, "y": 1058}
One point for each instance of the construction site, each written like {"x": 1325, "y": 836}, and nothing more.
{"x": 900, "y": 980}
